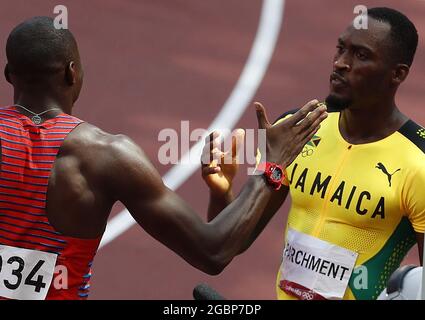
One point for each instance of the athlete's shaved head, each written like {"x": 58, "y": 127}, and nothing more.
{"x": 403, "y": 35}
{"x": 37, "y": 47}
{"x": 43, "y": 62}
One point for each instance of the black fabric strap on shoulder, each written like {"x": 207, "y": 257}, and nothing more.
{"x": 415, "y": 133}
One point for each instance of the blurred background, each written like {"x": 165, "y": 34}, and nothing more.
{"x": 149, "y": 64}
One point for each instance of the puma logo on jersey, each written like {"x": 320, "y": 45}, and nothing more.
{"x": 381, "y": 167}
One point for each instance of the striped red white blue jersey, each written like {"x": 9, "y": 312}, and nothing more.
{"x": 29, "y": 245}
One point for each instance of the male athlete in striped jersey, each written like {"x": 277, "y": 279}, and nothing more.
{"x": 60, "y": 177}
{"x": 357, "y": 186}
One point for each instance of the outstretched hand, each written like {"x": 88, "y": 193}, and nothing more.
{"x": 218, "y": 167}
{"x": 284, "y": 141}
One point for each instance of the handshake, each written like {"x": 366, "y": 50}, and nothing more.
{"x": 283, "y": 142}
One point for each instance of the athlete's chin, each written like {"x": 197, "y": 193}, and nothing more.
{"x": 337, "y": 102}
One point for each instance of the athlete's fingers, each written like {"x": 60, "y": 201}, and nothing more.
{"x": 238, "y": 137}
{"x": 232, "y": 155}
{"x": 212, "y": 139}
{"x": 209, "y": 158}
{"x": 206, "y": 157}
{"x": 206, "y": 150}
{"x": 210, "y": 170}
{"x": 310, "y": 135}
{"x": 303, "y": 112}
{"x": 316, "y": 123}
{"x": 209, "y": 138}
{"x": 217, "y": 155}
{"x": 313, "y": 119}
{"x": 211, "y": 142}
{"x": 263, "y": 121}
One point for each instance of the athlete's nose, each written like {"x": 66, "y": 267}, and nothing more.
{"x": 340, "y": 63}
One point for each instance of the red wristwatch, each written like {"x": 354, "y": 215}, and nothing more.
{"x": 273, "y": 173}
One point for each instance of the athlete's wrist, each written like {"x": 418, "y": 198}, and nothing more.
{"x": 273, "y": 173}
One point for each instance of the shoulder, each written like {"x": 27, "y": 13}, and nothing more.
{"x": 98, "y": 150}
{"x": 108, "y": 158}
{"x": 87, "y": 138}
{"x": 409, "y": 149}
{"x": 414, "y": 133}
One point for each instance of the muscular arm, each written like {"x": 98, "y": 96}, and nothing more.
{"x": 132, "y": 179}
{"x": 275, "y": 202}
{"x": 217, "y": 204}
{"x": 128, "y": 176}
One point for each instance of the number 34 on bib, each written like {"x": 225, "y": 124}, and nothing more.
{"x": 25, "y": 274}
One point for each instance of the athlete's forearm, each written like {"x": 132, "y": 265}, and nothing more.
{"x": 217, "y": 203}
{"x": 232, "y": 228}
{"x": 273, "y": 205}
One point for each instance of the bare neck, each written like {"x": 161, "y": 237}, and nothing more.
{"x": 376, "y": 122}
{"x": 38, "y": 102}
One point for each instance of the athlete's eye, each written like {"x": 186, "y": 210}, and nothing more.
{"x": 361, "y": 55}
{"x": 340, "y": 49}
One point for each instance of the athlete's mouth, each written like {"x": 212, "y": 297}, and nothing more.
{"x": 337, "y": 80}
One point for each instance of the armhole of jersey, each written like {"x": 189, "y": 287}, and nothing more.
{"x": 415, "y": 133}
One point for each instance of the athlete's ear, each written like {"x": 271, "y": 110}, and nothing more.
{"x": 400, "y": 73}
{"x": 71, "y": 73}
{"x": 6, "y": 73}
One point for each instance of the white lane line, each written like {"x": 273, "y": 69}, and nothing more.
{"x": 247, "y": 85}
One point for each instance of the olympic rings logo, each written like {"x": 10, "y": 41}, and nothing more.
{"x": 307, "y": 296}
{"x": 306, "y": 152}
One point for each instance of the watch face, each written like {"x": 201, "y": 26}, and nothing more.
{"x": 276, "y": 174}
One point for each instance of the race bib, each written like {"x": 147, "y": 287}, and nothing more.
{"x": 315, "y": 269}
{"x": 25, "y": 274}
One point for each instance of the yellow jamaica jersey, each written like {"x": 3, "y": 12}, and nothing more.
{"x": 367, "y": 198}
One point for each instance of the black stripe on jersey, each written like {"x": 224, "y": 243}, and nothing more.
{"x": 13, "y": 203}
{"x": 3, "y": 186}
{"x": 29, "y": 160}
{"x": 13, "y": 142}
{"x": 26, "y": 167}
{"x": 33, "y": 153}
{"x": 22, "y": 197}
{"x": 32, "y": 242}
{"x": 415, "y": 133}
{"x": 32, "y": 235}
{"x": 30, "y": 228}
{"x": 22, "y": 182}
{"x": 14, "y": 217}
{"x": 25, "y": 175}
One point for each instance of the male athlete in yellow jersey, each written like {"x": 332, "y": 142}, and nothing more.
{"x": 356, "y": 188}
